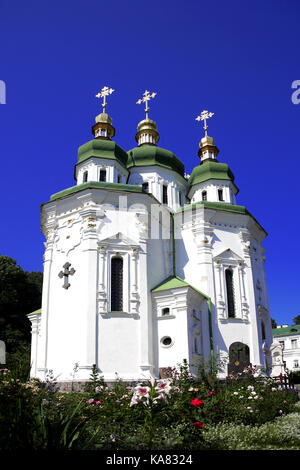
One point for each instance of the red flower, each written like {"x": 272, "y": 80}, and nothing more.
{"x": 196, "y": 402}
{"x": 211, "y": 393}
{"x": 198, "y": 425}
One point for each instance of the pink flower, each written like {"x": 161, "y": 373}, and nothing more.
{"x": 163, "y": 386}
{"x": 142, "y": 391}
{"x": 91, "y": 400}
{"x": 98, "y": 402}
{"x": 211, "y": 393}
{"x": 135, "y": 400}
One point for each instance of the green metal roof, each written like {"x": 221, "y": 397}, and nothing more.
{"x": 175, "y": 282}
{"x": 101, "y": 148}
{"x": 151, "y": 155}
{"x": 288, "y": 330}
{"x": 37, "y": 312}
{"x": 97, "y": 185}
{"x": 211, "y": 170}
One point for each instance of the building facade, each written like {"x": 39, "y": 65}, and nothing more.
{"x": 145, "y": 267}
{"x": 289, "y": 339}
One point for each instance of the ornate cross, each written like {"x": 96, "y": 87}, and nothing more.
{"x": 203, "y": 117}
{"x": 103, "y": 94}
{"x": 145, "y": 99}
{"x": 65, "y": 274}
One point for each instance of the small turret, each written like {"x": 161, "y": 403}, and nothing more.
{"x": 211, "y": 181}
{"x": 147, "y": 129}
{"x": 208, "y": 148}
{"x": 103, "y": 129}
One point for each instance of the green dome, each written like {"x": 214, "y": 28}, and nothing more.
{"x": 151, "y": 155}
{"x": 209, "y": 170}
{"x": 101, "y": 148}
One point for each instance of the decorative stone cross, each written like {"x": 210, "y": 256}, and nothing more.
{"x": 203, "y": 117}
{"x": 145, "y": 99}
{"x": 65, "y": 274}
{"x": 103, "y": 94}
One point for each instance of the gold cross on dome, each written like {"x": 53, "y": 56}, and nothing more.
{"x": 146, "y": 97}
{"x": 203, "y": 117}
{"x": 103, "y": 94}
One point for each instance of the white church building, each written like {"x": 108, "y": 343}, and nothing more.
{"x": 145, "y": 267}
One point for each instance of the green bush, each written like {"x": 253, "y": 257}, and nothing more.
{"x": 181, "y": 412}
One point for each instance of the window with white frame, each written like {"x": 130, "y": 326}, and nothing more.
{"x": 180, "y": 198}
{"x": 263, "y": 331}
{"x": 118, "y": 276}
{"x": 145, "y": 186}
{"x": 102, "y": 175}
{"x": 294, "y": 343}
{"x": 220, "y": 195}
{"x": 116, "y": 286}
{"x": 231, "y": 287}
{"x": 230, "y": 293}
{"x": 85, "y": 177}
{"x": 165, "y": 194}
{"x": 165, "y": 311}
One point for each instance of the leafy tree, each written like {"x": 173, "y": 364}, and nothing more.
{"x": 273, "y": 323}
{"x": 296, "y": 320}
{"x": 20, "y": 294}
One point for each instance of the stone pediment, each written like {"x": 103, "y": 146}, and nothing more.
{"x": 228, "y": 255}
{"x": 119, "y": 240}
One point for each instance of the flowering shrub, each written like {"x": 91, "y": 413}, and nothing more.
{"x": 150, "y": 395}
{"x": 178, "y": 412}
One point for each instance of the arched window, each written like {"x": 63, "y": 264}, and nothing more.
{"x": 204, "y": 196}
{"x": 145, "y": 186}
{"x": 220, "y": 194}
{"x": 85, "y": 177}
{"x": 263, "y": 330}
{"x": 102, "y": 175}
{"x": 165, "y": 194}
{"x": 116, "y": 300}
{"x": 230, "y": 293}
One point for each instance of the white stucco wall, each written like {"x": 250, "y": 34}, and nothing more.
{"x": 157, "y": 177}
{"x": 91, "y": 226}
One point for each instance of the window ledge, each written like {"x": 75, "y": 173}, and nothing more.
{"x": 119, "y": 315}
{"x": 165, "y": 317}
{"x": 234, "y": 320}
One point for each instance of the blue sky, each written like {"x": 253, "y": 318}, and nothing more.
{"x": 235, "y": 58}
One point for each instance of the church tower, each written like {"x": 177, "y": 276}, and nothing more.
{"x": 222, "y": 243}
{"x": 144, "y": 268}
